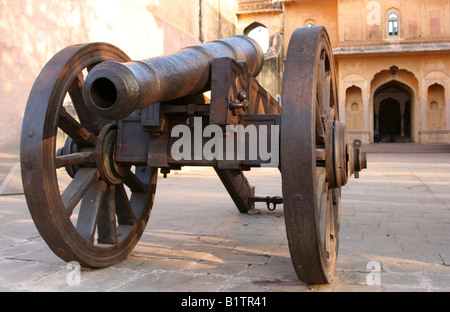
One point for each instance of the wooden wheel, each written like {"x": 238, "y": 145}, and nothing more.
{"x": 86, "y": 207}
{"x": 313, "y": 155}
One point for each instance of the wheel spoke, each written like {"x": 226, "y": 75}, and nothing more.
{"x": 146, "y": 178}
{"x": 82, "y": 181}
{"x": 106, "y": 226}
{"x": 332, "y": 115}
{"x": 124, "y": 210}
{"x": 336, "y": 206}
{"x": 320, "y": 154}
{"x": 320, "y": 129}
{"x": 134, "y": 183}
{"x": 80, "y": 135}
{"x": 327, "y": 103}
{"x": 87, "y": 217}
{"x": 321, "y": 84}
{"x": 321, "y": 205}
{"x": 329, "y": 228}
{"x": 323, "y": 97}
{"x": 75, "y": 159}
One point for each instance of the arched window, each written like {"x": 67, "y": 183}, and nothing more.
{"x": 393, "y": 24}
{"x": 260, "y": 34}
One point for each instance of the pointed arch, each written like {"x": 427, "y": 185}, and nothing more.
{"x": 401, "y": 86}
{"x": 260, "y": 33}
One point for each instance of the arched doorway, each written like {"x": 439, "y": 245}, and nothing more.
{"x": 260, "y": 34}
{"x": 392, "y": 113}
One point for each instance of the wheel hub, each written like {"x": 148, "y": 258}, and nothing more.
{"x": 69, "y": 148}
{"x": 340, "y": 154}
{"x": 110, "y": 171}
{"x": 336, "y": 154}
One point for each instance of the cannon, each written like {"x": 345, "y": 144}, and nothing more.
{"x": 98, "y": 127}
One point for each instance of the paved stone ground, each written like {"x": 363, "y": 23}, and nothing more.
{"x": 395, "y": 234}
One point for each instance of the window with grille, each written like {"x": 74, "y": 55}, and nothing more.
{"x": 393, "y": 24}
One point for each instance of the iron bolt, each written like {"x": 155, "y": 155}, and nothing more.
{"x": 242, "y": 96}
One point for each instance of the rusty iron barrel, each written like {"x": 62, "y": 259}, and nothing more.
{"x": 114, "y": 90}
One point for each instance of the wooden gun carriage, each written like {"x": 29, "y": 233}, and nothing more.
{"x": 125, "y": 124}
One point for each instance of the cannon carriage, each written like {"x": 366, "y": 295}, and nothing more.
{"x": 132, "y": 118}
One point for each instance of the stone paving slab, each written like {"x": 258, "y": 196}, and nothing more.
{"x": 395, "y": 236}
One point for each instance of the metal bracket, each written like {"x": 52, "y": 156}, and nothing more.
{"x": 271, "y": 202}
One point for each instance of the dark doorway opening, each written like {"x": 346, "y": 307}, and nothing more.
{"x": 392, "y": 113}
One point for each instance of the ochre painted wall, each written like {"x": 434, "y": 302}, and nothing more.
{"x": 31, "y": 32}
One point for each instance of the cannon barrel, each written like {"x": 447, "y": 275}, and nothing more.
{"x": 114, "y": 90}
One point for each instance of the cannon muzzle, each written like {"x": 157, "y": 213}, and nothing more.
{"x": 114, "y": 90}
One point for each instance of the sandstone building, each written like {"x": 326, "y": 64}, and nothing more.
{"x": 392, "y": 61}
{"x": 392, "y": 56}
